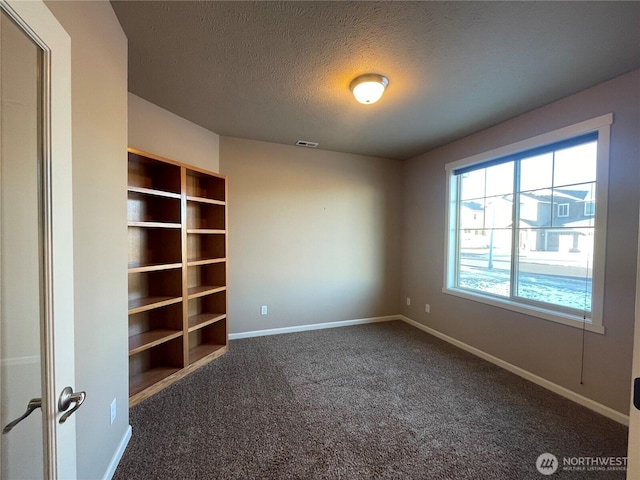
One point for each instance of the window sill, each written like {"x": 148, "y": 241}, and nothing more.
{"x": 549, "y": 315}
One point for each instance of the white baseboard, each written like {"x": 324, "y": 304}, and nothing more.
{"x": 565, "y": 392}
{"x": 315, "y": 326}
{"x": 115, "y": 460}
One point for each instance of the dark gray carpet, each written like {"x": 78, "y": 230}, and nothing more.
{"x": 373, "y": 401}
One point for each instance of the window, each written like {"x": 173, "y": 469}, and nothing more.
{"x": 589, "y": 208}
{"x": 563, "y": 210}
{"x": 524, "y": 232}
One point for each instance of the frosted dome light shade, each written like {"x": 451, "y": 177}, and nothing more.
{"x": 369, "y": 88}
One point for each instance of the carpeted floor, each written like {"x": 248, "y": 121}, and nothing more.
{"x": 381, "y": 400}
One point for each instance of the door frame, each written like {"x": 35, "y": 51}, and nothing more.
{"x": 57, "y": 328}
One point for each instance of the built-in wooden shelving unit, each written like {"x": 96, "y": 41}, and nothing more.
{"x": 177, "y": 221}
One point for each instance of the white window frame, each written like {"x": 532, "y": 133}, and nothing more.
{"x": 594, "y": 323}
{"x": 565, "y": 208}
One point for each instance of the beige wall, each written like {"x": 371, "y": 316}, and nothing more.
{"x": 156, "y": 130}
{"x": 314, "y": 235}
{"x": 99, "y": 135}
{"x": 544, "y": 348}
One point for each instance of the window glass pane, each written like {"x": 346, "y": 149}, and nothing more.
{"x": 536, "y": 172}
{"x": 484, "y": 261}
{"x": 499, "y": 179}
{"x": 555, "y": 266}
{"x": 575, "y": 164}
{"x": 472, "y": 184}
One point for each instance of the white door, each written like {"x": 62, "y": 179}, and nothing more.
{"x": 633, "y": 454}
{"x": 36, "y": 251}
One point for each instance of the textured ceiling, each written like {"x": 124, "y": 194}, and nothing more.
{"x": 280, "y": 71}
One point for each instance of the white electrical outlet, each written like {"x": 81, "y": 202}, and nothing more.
{"x": 263, "y": 310}
{"x": 113, "y": 411}
{"x": 408, "y": 301}
{"x": 427, "y": 308}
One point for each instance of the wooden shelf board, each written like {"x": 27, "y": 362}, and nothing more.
{"x": 151, "y": 191}
{"x": 204, "y": 319}
{"x": 137, "y": 268}
{"x": 150, "y": 378}
{"x": 210, "y": 201}
{"x": 205, "y": 261}
{"x": 154, "y": 225}
{"x": 202, "y": 290}
{"x": 149, "y": 303}
{"x": 199, "y": 352}
{"x": 206, "y": 231}
{"x": 150, "y": 339}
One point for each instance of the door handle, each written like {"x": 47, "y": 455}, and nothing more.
{"x": 67, "y": 397}
{"x": 31, "y": 406}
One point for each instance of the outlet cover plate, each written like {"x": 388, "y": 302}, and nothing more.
{"x": 113, "y": 411}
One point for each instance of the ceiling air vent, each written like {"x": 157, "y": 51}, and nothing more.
{"x": 304, "y": 143}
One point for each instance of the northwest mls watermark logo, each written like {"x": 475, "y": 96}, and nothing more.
{"x": 547, "y": 464}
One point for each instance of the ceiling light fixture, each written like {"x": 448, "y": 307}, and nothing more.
{"x": 369, "y": 88}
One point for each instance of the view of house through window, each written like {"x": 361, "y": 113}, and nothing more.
{"x": 526, "y": 224}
